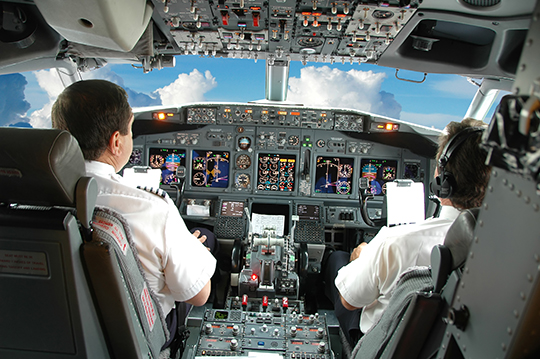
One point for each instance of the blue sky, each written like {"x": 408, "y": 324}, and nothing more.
{"x": 27, "y": 97}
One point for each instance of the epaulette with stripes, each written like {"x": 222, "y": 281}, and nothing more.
{"x": 158, "y": 191}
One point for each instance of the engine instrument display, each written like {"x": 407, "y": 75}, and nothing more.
{"x": 276, "y": 172}
{"x": 210, "y": 168}
{"x": 168, "y": 160}
{"x": 379, "y": 172}
{"x": 334, "y": 175}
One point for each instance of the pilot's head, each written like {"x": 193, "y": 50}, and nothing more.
{"x": 462, "y": 175}
{"x": 92, "y": 111}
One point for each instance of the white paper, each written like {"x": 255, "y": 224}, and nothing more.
{"x": 260, "y": 222}
{"x": 145, "y": 177}
{"x": 198, "y": 210}
{"x": 405, "y": 203}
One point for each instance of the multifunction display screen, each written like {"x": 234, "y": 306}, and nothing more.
{"x": 232, "y": 208}
{"x": 378, "y": 172}
{"x": 308, "y": 212}
{"x": 334, "y": 175}
{"x": 276, "y": 172}
{"x": 210, "y": 168}
{"x": 168, "y": 160}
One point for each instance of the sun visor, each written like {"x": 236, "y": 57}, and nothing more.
{"x": 114, "y": 25}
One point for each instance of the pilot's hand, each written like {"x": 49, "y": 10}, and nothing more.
{"x": 356, "y": 252}
{"x": 202, "y": 238}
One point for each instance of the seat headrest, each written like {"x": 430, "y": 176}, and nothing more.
{"x": 39, "y": 166}
{"x": 460, "y": 236}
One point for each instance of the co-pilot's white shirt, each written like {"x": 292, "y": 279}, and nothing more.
{"x": 368, "y": 281}
{"x": 177, "y": 265}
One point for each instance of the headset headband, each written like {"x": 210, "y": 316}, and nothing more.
{"x": 455, "y": 142}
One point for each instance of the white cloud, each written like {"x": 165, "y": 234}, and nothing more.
{"x": 354, "y": 89}
{"x": 435, "y": 120}
{"x": 187, "y": 88}
{"x": 48, "y": 80}
{"x": 457, "y": 86}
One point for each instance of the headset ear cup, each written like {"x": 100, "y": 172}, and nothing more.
{"x": 443, "y": 185}
{"x": 447, "y": 185}
{"x": 435, "y": 186}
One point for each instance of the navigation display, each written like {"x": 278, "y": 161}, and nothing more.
{"x": 308, "y": 212}
{"x": 210, "y": 168}
{"x": 168, "y": 160}
{"x": 378, "y": 172}
{"x": 275, "y": 172}
{"x": 334, "y": 175}
{"x": 232, "y": 208}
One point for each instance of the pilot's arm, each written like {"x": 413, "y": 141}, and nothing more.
{"x": 187, "y": 263}
{"x": 201, "y": 297}
{"x": 363, "y": 280}
{"x": 346, "y": 304}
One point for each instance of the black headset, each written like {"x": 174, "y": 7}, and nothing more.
{"x": 445, "y": 183}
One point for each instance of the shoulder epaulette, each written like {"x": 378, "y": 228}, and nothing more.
{"x": 158, "y": 191}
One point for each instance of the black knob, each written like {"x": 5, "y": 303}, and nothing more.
{"x": 459, "y": 317}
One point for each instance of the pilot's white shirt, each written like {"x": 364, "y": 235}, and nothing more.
{"x": 368, "y": 281}
{"x": 177, "y": 265}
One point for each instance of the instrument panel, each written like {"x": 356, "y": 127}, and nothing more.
{"x": 279, "y": 155}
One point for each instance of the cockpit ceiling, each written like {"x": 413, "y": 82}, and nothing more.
{"x": 468, "y": 37}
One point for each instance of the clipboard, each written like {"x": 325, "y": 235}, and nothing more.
{"x": 405, "y": 202}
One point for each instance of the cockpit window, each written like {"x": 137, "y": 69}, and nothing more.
{"x": 28, "y": 96}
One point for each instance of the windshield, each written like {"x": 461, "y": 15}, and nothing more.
{"x": 27, "y": 97}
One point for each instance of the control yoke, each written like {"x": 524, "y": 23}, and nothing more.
{"x": 364, "y": 196}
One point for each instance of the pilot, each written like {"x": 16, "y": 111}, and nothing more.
{"x": 177, "y": 265}
{"x": 365, "y": 284}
